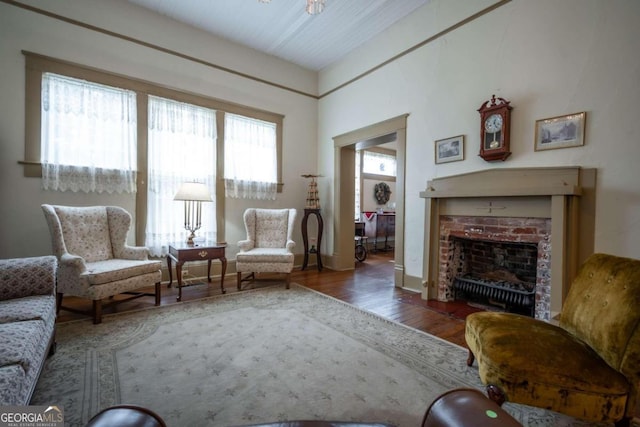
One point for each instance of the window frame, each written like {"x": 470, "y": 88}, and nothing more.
{"x": 36, "y": 65}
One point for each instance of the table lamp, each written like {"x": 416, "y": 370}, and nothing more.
{"x": 193, "y": 194}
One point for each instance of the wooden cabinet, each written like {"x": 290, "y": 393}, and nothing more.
{"x": 385, "y": 229}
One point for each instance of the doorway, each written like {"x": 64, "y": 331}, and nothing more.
{"x": 345, "y": 151}
{"x": 375, "y": 183}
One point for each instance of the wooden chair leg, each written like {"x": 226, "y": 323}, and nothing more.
{"x": 97, "y": 311}
{"x": 239, "y": 274}
{"x": 625, "y": 422}
{"x": 288, "y": 280}
{"x": 158, "y": 293}
{"x": 54, "y": 344}
{"x": 470, "y": 358}
{"x": 496, "y": 394}
{"x": 58, "y": 302}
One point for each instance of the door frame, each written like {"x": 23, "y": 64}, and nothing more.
{"x": 344, "y": 191}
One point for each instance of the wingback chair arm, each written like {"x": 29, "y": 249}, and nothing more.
{"x": 73, "y": 262}
{"x": 246, "y": 245}
{"x": 139, "y": 253}
{"x": 290, "y": 245}
{"x": 22, "y": 277}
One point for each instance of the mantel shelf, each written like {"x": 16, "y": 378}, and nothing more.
{"x": 568, "y": 190}
{"x": 508, "y": 182}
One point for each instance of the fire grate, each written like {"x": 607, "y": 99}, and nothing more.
{"x": 515, "y": 297}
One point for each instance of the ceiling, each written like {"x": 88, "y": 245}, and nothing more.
{"x": 284, "y": 29}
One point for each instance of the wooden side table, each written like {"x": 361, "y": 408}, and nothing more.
{"x": 305, "y": 238}
{"x": 180, "y": 252}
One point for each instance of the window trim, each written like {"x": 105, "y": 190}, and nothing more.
{"x": 37, "y": 64}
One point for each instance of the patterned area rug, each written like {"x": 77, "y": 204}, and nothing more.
{"x": 258, "y": 356}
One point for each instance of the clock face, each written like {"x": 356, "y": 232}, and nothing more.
{"x": 493, "y": 123}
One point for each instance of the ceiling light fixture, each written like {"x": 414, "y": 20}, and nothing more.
{"x": 315, "y": 7}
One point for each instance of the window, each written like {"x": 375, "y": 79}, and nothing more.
{"x": 182, "y": 147}
{"x": 88, "y": 136}
{"x": 250, "y": 158}
{"x": 379, "y": 163}
{"x": 136, "y": 126}
{"x": 373, "y": 165}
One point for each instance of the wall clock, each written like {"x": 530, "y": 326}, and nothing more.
{"x": 495, "y": 118}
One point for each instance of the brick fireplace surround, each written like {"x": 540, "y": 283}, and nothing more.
{"x": 551, "y": 208}
{"x": 535, "y": 231}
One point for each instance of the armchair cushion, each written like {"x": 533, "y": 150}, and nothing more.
{"x": 112, "y": 270}
{"x": 271, "y": 228}
{"x": 21, "y": 341}
{"x": 33, "y": 307}
{"x": 266, "y": 255}
{"x": 86, "y": 232}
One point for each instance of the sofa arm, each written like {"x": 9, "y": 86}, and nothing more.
{"x": 290, "y": 245}
{"x": 23, "y": 277}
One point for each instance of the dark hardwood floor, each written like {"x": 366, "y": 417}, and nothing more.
{"x": 369, "y": 286}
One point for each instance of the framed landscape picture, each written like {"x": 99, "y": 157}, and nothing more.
{"x": 450, "y": 149}
{"x": 560, "y": 132}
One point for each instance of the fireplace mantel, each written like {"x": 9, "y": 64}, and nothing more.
{"x": 566, "y": 195}
{"x": 509, "y": 182}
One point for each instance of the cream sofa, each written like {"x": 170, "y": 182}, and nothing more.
{"x": 27, "y": 324}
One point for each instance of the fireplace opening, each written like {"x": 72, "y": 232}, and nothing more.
{"x": 495, "y": 275}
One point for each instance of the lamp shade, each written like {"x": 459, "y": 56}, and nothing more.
{"x": 195, "y": 191}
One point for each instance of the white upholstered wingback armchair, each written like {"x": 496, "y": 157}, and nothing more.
{"x": 268, "y": 247}
{"x": 94, "y": 260}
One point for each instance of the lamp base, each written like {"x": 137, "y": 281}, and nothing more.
{"x": 190, "y": 241}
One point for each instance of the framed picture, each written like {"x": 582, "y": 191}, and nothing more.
{"x": 450, "y": 149}
{"x": 560, "y": 132}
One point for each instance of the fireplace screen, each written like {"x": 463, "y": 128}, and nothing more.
{"x": 511, "y": 297}
{"x": 500, "y": 275}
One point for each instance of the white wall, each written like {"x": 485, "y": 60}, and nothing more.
{"x": 547, "y": 57}
{"x": 23, "y": 231}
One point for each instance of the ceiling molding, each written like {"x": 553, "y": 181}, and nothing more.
{"x": 249, "y": 76}
{"x": 154, "y": 47}
{"x": 417, "y": 46}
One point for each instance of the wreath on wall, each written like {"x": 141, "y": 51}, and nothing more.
{"x": 382, "y": 192}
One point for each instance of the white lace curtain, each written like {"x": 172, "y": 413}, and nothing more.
{"x": 88, "y": 139}
{"x": 250, "y": 158}
{"x": 181, "y": 147}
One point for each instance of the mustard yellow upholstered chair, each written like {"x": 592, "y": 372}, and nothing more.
{"x": 94, "y": 260}
{"x": 588, "y": 367}
{"x": 268, "y": 247}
